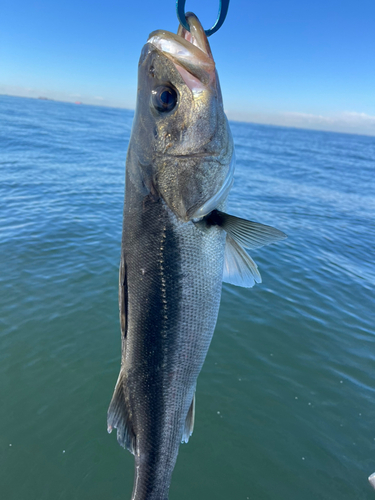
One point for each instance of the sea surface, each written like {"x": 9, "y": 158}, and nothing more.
{"x": 286, "y": 399}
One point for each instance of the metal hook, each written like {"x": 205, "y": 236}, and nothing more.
{"x": 223, "y": 10}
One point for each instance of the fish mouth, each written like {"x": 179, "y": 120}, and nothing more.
{"x": 189, "y": 51}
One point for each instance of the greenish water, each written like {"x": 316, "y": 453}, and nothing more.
{"x": 285, "y": 401}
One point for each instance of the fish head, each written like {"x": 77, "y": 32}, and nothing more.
{"x": 180, "y": 132}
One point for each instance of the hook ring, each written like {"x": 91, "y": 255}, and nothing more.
{"x": 223, "y": 10}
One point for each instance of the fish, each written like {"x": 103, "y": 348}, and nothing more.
{"x": 178, "y": 245}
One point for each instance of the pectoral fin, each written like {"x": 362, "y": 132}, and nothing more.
{"x": 246, "y": 233}
{"x": 118, "y": 417}
{"x": 239, "y": 267}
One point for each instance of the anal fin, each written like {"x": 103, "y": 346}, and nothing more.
{"x": 189, "y": 422}
{"x": 118, "y": 417}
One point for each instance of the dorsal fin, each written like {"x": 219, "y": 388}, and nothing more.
{"x": 123, "y": 297}
{"x": 118, "y": 417}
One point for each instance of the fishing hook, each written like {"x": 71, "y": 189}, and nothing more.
{"x": 223, "y": 10}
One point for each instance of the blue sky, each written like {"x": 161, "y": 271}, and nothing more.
{"x": 288, "y": 62}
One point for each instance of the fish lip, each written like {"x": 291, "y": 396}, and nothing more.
{"x": 197, "y": 36}
{"x": 189, "y": 51}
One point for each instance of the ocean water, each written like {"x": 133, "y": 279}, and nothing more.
{"x": 286, "y": 399}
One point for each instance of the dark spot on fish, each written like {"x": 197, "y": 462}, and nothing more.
{"x": 214, "y": 219}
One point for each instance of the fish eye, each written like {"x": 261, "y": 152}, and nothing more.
{"x": 164, "y": 98}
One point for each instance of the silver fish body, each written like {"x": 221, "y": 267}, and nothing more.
{"x": 174, "y": 243}
{"x": 172, "y": 285}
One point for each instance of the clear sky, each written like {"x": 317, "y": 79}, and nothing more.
{"x": 305, "y": 63}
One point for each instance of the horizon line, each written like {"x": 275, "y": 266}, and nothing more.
{"x": 238, "y": 120}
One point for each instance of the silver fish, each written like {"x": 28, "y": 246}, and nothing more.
{"x": 178, "y": 245}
